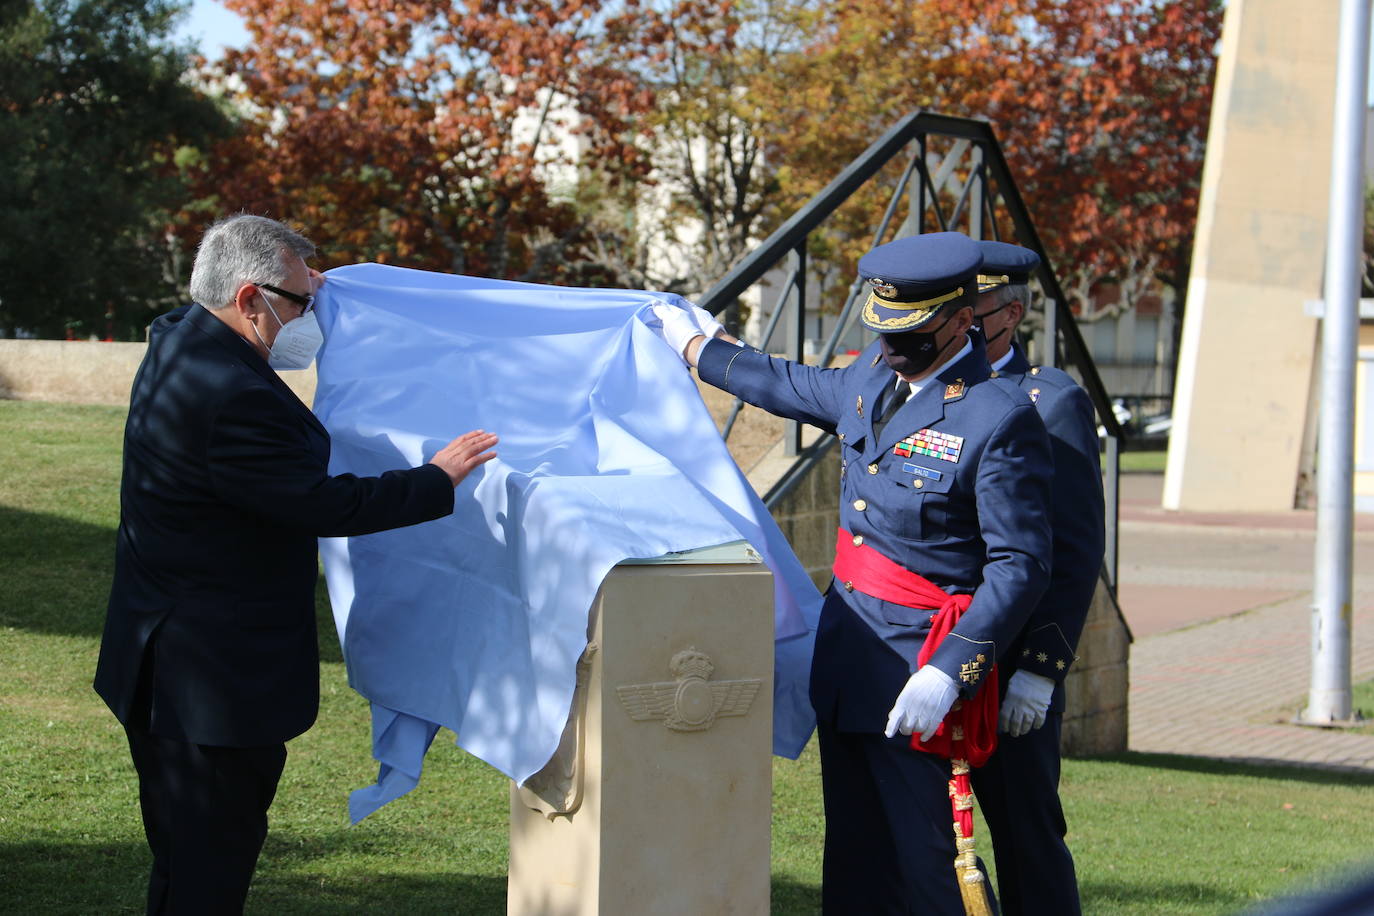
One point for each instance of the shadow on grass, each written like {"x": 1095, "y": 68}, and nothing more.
{"x": 434, "y": 892}
{"x": 1264, "y": 769}
{"x": 471, "y": 895}
{"x": 49, "y": 876}
{"x": 54, "y": 573}
{"x": 792, "y": 898}
{"x": 55, "y": 877}
{"x": 1098, "y": 894}
{"x": 55, "y": 577}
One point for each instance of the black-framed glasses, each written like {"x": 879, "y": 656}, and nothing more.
{"x": 306, "y": 302}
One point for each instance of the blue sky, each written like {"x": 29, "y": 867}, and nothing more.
{"x": 213, "y": 27}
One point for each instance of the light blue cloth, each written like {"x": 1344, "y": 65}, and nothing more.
{"x": 476, "y": 621}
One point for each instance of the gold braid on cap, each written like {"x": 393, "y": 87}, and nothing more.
{"x": 920, "y": 311}
{"x": 990, "y": 281}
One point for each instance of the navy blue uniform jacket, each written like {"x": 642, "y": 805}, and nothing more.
{"x": 210, "y": 633}
{"x": 1077, "y": 517}
{"x": 973, "y": 521}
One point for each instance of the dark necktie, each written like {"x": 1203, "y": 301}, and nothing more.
{"x": 896, "y": 398}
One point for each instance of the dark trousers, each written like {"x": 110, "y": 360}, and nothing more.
{"x": 205, "y": 815}
{"x": 889, "y": 835}
{"x": 1018, "y": 795}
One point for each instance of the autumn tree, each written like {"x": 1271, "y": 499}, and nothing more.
{"x": 450, "y": 136}
{"x": 864, "y": 67}
{"x": 710, "y": 129}
{"x": 94, "y": 116}
{"x": 1102, "y": 111}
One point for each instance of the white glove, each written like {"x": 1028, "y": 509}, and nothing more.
{"x": 675, "y": 326}
{"x": 923, "y": 703}
{"x": 706, "y": 322}
{"x": 1027, "y": 701}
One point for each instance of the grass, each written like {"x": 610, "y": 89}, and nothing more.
{"x": 1362, "y": 701}
{"x": 1361, "y": 704}
{"x": 1143, "y": 462}
{"x": 1151, "y": 834}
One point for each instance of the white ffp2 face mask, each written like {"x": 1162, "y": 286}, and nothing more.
{"x": 297, "y": 342}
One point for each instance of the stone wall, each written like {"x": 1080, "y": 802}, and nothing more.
{"x": 88, "y": 372}
{"x": 71, "y": 371}
{"x": 1095, "y": 713}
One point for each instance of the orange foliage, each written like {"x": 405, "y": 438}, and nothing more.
{"x": 1101, "y": 109}
{"x": 425, "y": 132}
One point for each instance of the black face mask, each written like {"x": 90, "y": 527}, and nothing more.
{"x": 978, "y": 324}
{"x": 913, "y": 352}
{"x": 987, "y": 341}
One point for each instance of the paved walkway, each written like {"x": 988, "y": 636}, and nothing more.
{"x": 1220, "y": 606}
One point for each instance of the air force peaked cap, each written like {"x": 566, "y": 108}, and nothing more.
{"x": 913, "y": 277}
{"x": 1005, "y": 264}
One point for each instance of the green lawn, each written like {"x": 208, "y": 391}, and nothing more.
{"x": 1151, "y": 834}
{"x": 1143, "y": 462}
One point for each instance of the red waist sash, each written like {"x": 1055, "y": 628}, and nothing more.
{"x": 969, "y": 731}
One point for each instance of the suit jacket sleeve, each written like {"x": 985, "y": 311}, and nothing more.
{"x": 793, "y": 390}
{"x": 1079, "y": 537}
{"x": 1012, "y": 488}
{"x": 261, "y": 460}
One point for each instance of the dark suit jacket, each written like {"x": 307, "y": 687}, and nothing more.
{"x": 210, "y": 633}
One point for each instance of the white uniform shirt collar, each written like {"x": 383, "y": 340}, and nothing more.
{"x": 1003, "y": 360}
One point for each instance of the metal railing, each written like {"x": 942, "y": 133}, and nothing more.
{"x": 955, "y": 178}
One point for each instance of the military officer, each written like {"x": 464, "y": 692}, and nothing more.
{"x": 944, "y": 509}
{"x": 1018, "y": 789}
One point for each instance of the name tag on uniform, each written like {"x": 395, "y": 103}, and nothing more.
{"x": 919, "y": 471}
{"x": 931, "y": 443}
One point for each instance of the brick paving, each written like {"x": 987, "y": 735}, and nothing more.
{"x": 1221, "y": 611}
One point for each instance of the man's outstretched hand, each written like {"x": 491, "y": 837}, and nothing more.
{"x": 460, "y": 456}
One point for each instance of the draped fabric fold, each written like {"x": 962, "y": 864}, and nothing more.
{"x": 475, "y": 622}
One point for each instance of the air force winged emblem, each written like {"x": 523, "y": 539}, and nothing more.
{"x": 692, "y": 702}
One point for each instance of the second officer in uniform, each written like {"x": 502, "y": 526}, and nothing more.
{"x": 1018, "y": 789}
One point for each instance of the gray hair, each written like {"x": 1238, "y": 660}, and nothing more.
{"x": 1013, "y": 292}
{"x": 242, "y": 249}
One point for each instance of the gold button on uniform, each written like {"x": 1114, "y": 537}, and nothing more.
{"x": 1035, "y": 370}
{"x": 993, "y": 374}
{"x": 860, "y": 505}
{"x": 849, "y": 586}
{"x": 872, "y": 469}
{"x": 858, "y": 540}
{"x": 919, "y": 484}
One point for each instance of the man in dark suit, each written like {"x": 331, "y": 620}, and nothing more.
{"x": 1018, "y": 789}
{"x": 209, "y": 656}
{"x": 944, "y": 490}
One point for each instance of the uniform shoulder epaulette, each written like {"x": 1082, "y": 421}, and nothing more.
{"x": 1048, "y": 375}
{"x": 1003, "y": 386}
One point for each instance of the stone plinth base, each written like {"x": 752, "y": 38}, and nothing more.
{"x": 659, "y": 800}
